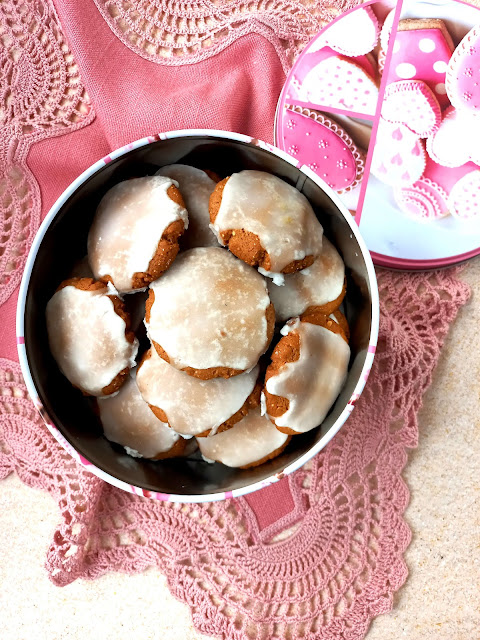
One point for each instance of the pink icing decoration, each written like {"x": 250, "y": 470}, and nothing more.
{"x": 424, "y": 200}
{"x": 415, "y": 52}
{"x": 323, "y": 146}
{"x": 354, "y": 34}
{"x": 339, "y": 83}
{"x": 412, "y": 103}
{"x": 446, "y": 177}
{"x": 457, "y": 140}
{"x": 463, "y": 73}
{"x": 399, "y": 156}
{"x": 465, "y": 197}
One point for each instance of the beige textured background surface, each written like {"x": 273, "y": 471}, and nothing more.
{"x": 440, "y": 600}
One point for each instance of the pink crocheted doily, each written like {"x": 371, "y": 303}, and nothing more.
{"x": 320, "y": 553}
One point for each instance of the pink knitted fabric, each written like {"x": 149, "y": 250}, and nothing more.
{"x": 319, "y": 554}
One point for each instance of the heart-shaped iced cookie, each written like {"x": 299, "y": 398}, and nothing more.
{"x": 457, "y": 140}
{"x": 413, "y": 104}
{"x": 353, "y": 34}
{"x": 465, "y": 197}
{"x": 463, "y": 74}
{"x": 399, "y": 156}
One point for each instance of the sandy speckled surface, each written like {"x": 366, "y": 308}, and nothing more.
{"x": 440, "y": 600}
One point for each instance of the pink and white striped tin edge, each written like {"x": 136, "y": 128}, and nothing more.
{"x": 26, "y": 279}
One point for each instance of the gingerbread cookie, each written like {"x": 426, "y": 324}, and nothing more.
{"x": 250, "y": 442}
{"x": 210, "y": 314}
{"x": 134, "y": 235}
{"x": 196, "y": 187}
{"x": 324, "y": 146}
{"x": 127, "y": 420}
{"x": 319, "y": 288}
{"x": 421, "y": 51}
{"x": 195, "y": 407}
{"x": 265, "y": 222}
{"x": 89, "y": 336}
{"x": 308, "y": 370}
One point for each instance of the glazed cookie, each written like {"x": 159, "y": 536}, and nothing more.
{"x": 128, "y": 420}
{"x": 195, "y": 407}
{"x": 196, "y": 187}
{"x": 353, "y": 34}
{"x": 463, "y": 74}
{"x": 265, "y": 222}
{"x": 250, "y": 442}
{"x": 134, "y": 235}
{"x": 308, "y": 370}
{"x": 89, "y": 335}
{"x": 319, "y": 288}
{"x": 210, "y": 314}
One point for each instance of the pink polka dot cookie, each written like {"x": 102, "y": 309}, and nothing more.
{"x": 457, "y": 140}
{"x": 465, "y": 197}
{"x": 323, "y": 146}
{"x": 399, "y": 156}
{"x": 338, "y": 82}
{"x": 413, "y": 104}
{"x": 353, "y": 34}
{"x": 422, "y": 51}
{"x": 463, "y": 74}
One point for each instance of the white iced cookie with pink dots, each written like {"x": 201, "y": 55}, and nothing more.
{"x": 324, "y": 146}
{"x": 353, "y": 34}
{"x": 399, "y": 156}
{"x": 413, "y": 104}
{"x": 250, "y": 442}
{"x": 463, "y": 74}
{"x": 320, "y": 288}
{"x": 465, "y": 197}
{"x": 340, "y": 83}
{"x": 127, "y": 420}
{"x": 457, "y": 140}
{"x": 422, "y": 51}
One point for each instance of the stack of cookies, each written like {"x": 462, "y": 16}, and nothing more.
{"x": 247, "y": 345}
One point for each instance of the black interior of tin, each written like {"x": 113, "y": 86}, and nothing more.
{"x": 65, "y": 243}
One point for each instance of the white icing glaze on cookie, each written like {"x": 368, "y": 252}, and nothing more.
{"x": 196, "y": 188}
{"x": 247, "y": 442}
{"x": 128, "y": 226}
{"x": 209, "y": 311}
{"x": 321, "y": 283}
{"x": 313, "y": 382}
{"x": 192, "y": 406}
{"x": 87, "y": 338}
{"x": 128, "y": 420}
{"x": 276, "y": 212}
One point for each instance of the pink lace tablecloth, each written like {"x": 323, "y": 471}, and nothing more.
{"x": 320, "y": 553}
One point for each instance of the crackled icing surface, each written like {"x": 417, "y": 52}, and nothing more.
{"x": 196, "y": 188}
{"x": 209, "y": 311}
{"x": 313, "y": 382}
{"x": 128, "y": 226}
{"x": 253, "y": 438}
{"x": 192, "y": 406}
{"x": 276, "y": 212}
{"x": 129, "y": 421}
{"x": 87, "y": 338}
{"x": 321, "y": 283}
